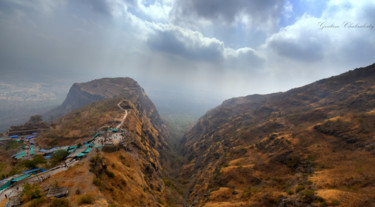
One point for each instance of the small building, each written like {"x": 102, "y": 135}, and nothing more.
{"x": 57, "y": 192}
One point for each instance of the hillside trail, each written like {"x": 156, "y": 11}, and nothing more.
{"x": 124, "y": 117}
{"x": 17, "y": 189}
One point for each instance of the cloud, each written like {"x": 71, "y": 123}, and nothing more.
{"x": 330, "y": 36}
{"x": 301, "y": 41}
{"x": 259, "y": 14}
{"x": 244, "y": 58}
{"x": 12, "y": 6}
{"x": 186, "y": 43}
{"x": 100, "y": 6}
{"x": 193, "y": 45}
{"x": 247, "y": 46}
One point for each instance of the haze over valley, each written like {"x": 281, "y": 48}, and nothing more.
{"x": 187, "y": 103}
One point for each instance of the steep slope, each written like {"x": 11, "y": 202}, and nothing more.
{"x": 310, "y": 145}
{"x": 81, "y": 94}
{"x": 133, "y": 172}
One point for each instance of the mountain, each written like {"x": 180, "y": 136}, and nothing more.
{"x": 312, "y": 145}
{"x": 132, "y": 173}
{"x": 81, "y": 94}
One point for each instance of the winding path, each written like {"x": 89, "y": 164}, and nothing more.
{"x": 125, "y": 115}
{"x": 18, "y": 187}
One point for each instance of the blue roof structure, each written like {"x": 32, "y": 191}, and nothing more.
{"x": 29, "y": 137}
{"x": 6, "y": 183}
{"x": 87, "y": 150}
{"x": 80, "y": 155}
{"x": 32, "y": 150}
{"x": 20, "y": 155}
{"x": 33, "y": 170}
{"x": 21, "y": 177}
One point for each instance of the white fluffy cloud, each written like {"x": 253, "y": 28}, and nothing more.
{"x": 343, "y": 36}
{"x": 193, "y": 45}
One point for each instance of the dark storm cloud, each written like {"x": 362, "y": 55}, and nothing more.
{"x": 256, "y": 12}
{"x": 187, "y": 45}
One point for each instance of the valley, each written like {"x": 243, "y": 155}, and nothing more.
{"x": 309, "y": 146}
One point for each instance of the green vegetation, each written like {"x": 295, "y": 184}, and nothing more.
{"x": 309, "y": 193}
{"x": 172, "y": 184}
{"x": 31, "y": 192}
{"x": 250, "y": 191}
{"x": 300, "y": 187}
{"x": 12, "y": 144}
{"x": 85, "y": 199}
{"x": 37, "y": 202}
{"x": 290, "y": 192}
{"x": 334, "y": 202}
{"x": 97, "y": 181}
{"x": 35, "y": 162}
{"x": 110, "y": 174}
{"x": 123, "y": 182}
{"x": 3, "y": 166}
{"x": 60, "y": 202}
{"x": 58, "y": 156}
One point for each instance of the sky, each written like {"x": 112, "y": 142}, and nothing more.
{"x": 216, "y": 48}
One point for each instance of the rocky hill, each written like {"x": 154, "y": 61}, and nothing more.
{"x": 133, "y": 172}
{"x": 81, "y": 94}
{"x": 312, "y": 145}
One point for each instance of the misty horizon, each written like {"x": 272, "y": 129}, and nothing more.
{"x": 179, "y": 51}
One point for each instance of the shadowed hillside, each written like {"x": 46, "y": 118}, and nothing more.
{"x": 310, "y": 145}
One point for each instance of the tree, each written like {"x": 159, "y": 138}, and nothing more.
{"x": 32, "y": 164}
{"x": 58, "y": 156}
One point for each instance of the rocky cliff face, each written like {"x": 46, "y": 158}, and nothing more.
{"x": 81, "y": 94}
{"x": 296, "y": 148}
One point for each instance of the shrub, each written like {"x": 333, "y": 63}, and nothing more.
{"x": 58, "y": 156}
{"x": 97, "y": 181}
{"x": 309, "y": 192}
{"x": 85, "y": 199}
{"x": 334, "y": 202}
{"x": 37, "y": 202}
{"x": 123, "y": 182}
{"x": 32, "y": 164}
{"x": 299, "y": 188}
{"x": 60, "y": 202}
{"x": 110, "y": 174}
{"x": 30, "y": 192}
{"x": 248, "y": 192}
{"x": 290, "y": 192}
